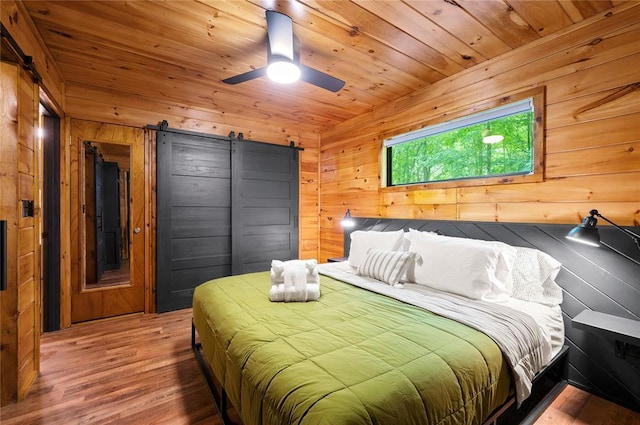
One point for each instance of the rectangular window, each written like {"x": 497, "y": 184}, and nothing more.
{"x": 497, "y": 145}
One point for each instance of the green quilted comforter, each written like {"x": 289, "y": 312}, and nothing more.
{"x": 353, "y": 357}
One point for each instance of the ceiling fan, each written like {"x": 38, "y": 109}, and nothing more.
{"x": 283, "y": 58}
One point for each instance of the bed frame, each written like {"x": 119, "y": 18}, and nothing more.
{"x": 217, "y": 390}
{"x": 601, "y": 279}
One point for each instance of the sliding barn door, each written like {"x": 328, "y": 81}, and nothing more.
{"x": 264, "y": 205}
{"x": 194, "y": 215}
{"x": 224, "y": 207}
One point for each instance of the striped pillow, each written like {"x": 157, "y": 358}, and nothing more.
{"x": 386, "y": 266}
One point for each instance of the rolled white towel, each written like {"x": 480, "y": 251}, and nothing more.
{"x": 278, "y": 267}
{"x": 313, "y": 291}
{"x": 295, "y": 287}
{"x": 277, "y": 270}
{"x": 295, "y": 283}
{"x": 294, "y": 280}
{"x": 277, "y": 293}
{"x": 312, "y": 272}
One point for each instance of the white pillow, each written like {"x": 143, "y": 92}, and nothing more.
{"x": 362, "y": 241}
{"x": 386, "y": 266}
{"x": 534, "y": 274}
{"x": 506, "y": 254}
{"x": 466, "y": 267}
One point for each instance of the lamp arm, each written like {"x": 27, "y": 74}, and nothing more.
{"x": 634, "y": 236}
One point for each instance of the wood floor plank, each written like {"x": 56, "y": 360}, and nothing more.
{"x": 133, "y": 370}
{"x": 140, "y": 370}
{"x": 577, "y": 407}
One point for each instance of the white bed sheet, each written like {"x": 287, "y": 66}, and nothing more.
{"x": 548, "y": 319}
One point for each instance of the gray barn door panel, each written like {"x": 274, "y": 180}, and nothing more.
{"x": 201, "y": 233}
{"x": 194, "y": 215}
{"x": 264, "y": 205}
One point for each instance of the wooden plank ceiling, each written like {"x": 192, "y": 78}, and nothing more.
{"x": 182, "y": 50}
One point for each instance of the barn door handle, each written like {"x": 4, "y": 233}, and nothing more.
{"x": 136, "y": 230}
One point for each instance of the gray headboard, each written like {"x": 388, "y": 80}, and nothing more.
{"x": 598, "y": 279}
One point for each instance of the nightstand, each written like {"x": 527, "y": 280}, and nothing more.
{"x": 622, "y": 330}
{"x": 336, "y": 260}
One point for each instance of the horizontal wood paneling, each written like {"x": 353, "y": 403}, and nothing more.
{"x": 9, "y": 212}
{"x": 592, "y": 116}
{"x": 596, "y": 106}
{"x": 594, "y": 134}
{"x": 105, "y": 105}
{"x": 29, "y": 249}
{"x": 427, "y": 211}
{"x": 612, "y": 159}
{"x": 20, "y": 334}
{"x": 596, "y": 188}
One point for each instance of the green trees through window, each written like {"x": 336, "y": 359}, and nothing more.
{"x": 465, "y": 152}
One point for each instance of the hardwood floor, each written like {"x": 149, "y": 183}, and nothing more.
{"x": 576, "y": 407}
{"x": 140, "y": 370}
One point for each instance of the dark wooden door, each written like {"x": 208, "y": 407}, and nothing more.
{"x": 194, "y": 215}
{"x": 264, "y": 205}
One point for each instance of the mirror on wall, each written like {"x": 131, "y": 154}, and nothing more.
{"x": 106, "y": 214}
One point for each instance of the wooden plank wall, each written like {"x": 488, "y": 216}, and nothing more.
{"x": 592, "y": 158}
{"x": 29, "y": 230}
{"x": 21, "y": 320}
{"x": 9, "y": 212}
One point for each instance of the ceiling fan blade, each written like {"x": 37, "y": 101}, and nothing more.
{"x": 280, "y": 32}
{"x": 256, "y": 73}
{"x": 320, "y": 79}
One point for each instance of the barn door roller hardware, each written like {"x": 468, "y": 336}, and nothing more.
{"x": 26, "y": 61}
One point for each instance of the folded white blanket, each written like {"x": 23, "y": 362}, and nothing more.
{"x": 294, "y": 280}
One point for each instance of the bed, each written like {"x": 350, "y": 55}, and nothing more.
{"x": 377, "y": 348}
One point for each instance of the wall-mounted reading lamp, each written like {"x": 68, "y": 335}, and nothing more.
{"x": 347, "y": 221}
{"x": 587, "y": 232}
{"x": 623, "y": 330}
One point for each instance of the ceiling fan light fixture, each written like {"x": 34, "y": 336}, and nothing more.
{"x": 283, "y": 72}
